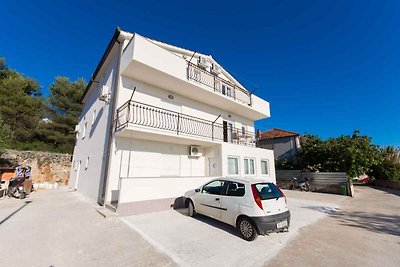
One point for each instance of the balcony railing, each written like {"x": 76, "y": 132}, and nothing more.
{"x": 218, "y": 85}
{"x": 136, "y": 113}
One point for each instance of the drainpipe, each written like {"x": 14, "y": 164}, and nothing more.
{"x": 114, "y": 96}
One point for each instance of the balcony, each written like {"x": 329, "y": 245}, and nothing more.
{"x": 147, "y": 62}
{"x": 218, "y": 85}
{"x": 135, "y": 114}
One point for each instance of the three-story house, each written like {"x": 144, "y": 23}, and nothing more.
{"x": 159, "y": 120}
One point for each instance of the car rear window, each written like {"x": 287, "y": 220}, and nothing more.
{"x": 235, "y": 189}
{"x": 268, "y": 191}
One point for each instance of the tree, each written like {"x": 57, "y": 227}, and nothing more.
{"x": 353, "y": 154}
{"x": 20, "y": 104}
{"x": 63, "y": 110}
{"x": 389, "y": 166}
{"x": 5, "y": 134}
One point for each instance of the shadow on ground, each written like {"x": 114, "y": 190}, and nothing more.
{"x": 371, "y": 221}
{"x": 181, "y": 207}
{"x": 15, "y": 212}
{"x": 387, "y": 190}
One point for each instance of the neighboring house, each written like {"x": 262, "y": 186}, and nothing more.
{"x": 285, "y": 144}
{"x": 159, "y": 120}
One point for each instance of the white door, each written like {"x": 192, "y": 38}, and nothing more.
{"x": 213, "y": 167}
{"x": 208, "y": 200}
{"x": 231, "y": 202}
{"x": 77, "y": 175}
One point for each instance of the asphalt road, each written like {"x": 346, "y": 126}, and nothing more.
{"x": 364, "y": 232}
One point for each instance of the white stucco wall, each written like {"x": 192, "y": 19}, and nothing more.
{"x": 154, "y": 96}
{"x": 93, "y": 145}
{"x": 243, "y": 152}
{"x": 138, "y": 165}
{"x": 146, "y": 170}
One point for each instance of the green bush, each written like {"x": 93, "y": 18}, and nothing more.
{"x": 389, "y": 165}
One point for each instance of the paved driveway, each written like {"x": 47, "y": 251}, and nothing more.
{"x": 202, "y": 241}
{"x": 365, "y": 232}
{"x": 59, "y": 228}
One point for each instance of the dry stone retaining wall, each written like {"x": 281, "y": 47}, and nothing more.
{"x": 46, "y": 167}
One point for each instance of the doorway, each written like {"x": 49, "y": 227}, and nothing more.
{"x": 77, "y": 175}
{"x": 228, "y": 129}
{"x": 213, "y": 167}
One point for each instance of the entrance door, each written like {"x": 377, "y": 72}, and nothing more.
{"x": 77, "y": 174}
{"x": 228, "y": 127}
{"x": 213, "y": 167}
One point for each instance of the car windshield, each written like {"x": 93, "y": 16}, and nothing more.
{"x": 268, "y": 191}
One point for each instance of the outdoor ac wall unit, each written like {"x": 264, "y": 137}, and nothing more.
{"x": 104, "y": 93}
{"x": 194, "y": 151}
{"x": 77, "y": 129}
{"x": 216, "y": 69}
{"x": 203, "y": 62}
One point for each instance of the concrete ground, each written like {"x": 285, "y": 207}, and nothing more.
{"x": 365, "y": 232}
{"x": 201, "y": 241}
{"x": 59, "y": 228}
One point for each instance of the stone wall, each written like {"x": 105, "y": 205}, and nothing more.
{"x": 46, "y": 167}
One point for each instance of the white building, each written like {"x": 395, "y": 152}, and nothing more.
{"x": 159, "y": 120}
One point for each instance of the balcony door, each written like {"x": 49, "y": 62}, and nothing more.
{"x": 226, "y": 90}
{"x": 228, "y": 129}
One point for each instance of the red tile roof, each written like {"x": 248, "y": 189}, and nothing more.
{"x": 276, "y": 133}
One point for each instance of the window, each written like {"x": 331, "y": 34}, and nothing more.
{"x": 268, "y": 191}
{"x": 84, "y": 130}
{"x": 249, "y": 167}
{"x": 233, "y": 166}
{"x": 94, "y": 116}
{"x": 87, "y": 163}
{"x": 235, "y": 189}
{"x": 264, "y": 167}
{"x": 226, "y": 90}
{"x": 214, "y": 188}
{"x": 229, "y": 91}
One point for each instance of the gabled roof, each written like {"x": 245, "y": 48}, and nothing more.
{"x": 120, "y": 35}
{"x": 276, "y": 133}
{"x": 190, "y": 53}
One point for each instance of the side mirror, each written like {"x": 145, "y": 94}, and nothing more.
{"x": 197, "y": 190}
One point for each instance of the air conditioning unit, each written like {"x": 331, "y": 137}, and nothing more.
{"x": 216, "y": 69}
{"x": 77, "y": 129}
{"x": 104, "y": 93}
{"x": 194, "y": 151}
{"x": 203, "y": 62}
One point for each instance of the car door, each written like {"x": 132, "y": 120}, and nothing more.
{"x": 209, "y": 199}
{"x": 231, "y": 202}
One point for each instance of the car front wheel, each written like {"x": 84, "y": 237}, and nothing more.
{"x": 190, "y": 209}
{"x": 246, "y": 229}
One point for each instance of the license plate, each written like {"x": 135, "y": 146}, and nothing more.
{"x": 281, "y": 224}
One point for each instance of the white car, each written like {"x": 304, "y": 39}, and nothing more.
{"x": 253, "y": 206}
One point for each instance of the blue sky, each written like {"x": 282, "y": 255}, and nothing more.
{"x": 326, "y": 67}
